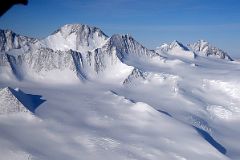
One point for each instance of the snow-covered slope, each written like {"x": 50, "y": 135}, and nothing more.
{"x": 205, "y": 48}
{"x": 177, "y": 49}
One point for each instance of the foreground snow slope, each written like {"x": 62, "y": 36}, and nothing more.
{"x": 94, "y": 97}
{"x": 93, "y": 122}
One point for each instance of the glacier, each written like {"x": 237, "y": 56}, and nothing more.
{"x": 80, "y": 94}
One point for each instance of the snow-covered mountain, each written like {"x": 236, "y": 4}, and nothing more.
{"x": 78, "y": 51}
{"x": 91, "y": 96}
{"x": 9, "y": 102}
{"x": 201, "y": 48}
{"x": 82, "y": 52}
{"x": 177, "y": 49}
{"x": 77, "y": 37}
{"x": 10, "y": 40}
{"x": 205, "y": 48}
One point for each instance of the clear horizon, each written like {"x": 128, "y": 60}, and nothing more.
{"x": 151, "y": 23}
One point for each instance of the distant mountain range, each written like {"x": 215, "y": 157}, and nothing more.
{"x": 85, "y": 52}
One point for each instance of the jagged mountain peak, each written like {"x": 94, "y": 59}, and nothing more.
{"x": 75, "y": 28}
{"x": 122, "y": 37}
{"x": 78, "y": 37}
{"x": 165, "y": 47}
{"x": 135, "y": 74}
{"x": 200, "y": 45}
{"x": 85, "y": 52}
{"x": 129, "y": 47}
{"x": 177, "y": 44}
{"x": 175, "y": 48}
{"x": 204, "y": 48}
{"x": 10, "y": 40}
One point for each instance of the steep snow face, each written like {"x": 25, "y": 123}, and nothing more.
{"x": 177, "y": 45}
{"x": 42, "y": 63}
{"x": 58, "y": 66}
{"x": 177, "y": 49}
{"x": 45, "y": 63}
{"x": 105, "y": 62}
{"x": 9, "y": 103}
{"x": 4, "y": 60}
{"x": 5, "y": 68}
{"x": 10, "y": 66}
{"x": 204, "y": 48}
{"x": 45, "y": 59}
{"x": 77, "y": 37}
{"x": 128, "y": 47}
{"x": 10, "y": 40}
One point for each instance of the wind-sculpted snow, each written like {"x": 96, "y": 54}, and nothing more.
{"x": 228, "y": 110}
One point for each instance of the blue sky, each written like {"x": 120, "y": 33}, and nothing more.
{"x": 151, "y": 22}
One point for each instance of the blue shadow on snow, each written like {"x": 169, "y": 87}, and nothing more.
{"x": 30, "y": 101}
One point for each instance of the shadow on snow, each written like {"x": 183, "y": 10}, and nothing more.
{"x": 30, "y": 101}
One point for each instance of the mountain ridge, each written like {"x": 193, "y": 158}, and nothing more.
{"x": 203, "y": 47}
{"x": 84, "y": 52}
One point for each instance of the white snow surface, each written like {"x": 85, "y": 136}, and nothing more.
{"x": 117, "y": 100}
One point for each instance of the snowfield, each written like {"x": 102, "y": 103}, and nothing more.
{"x": 79, "y": 94}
